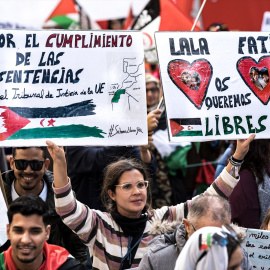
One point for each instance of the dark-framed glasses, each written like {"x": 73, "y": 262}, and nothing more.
{"x": 153, "y": 89}
{"x": 127, "y": 187}
{"x": 22, "y": 164}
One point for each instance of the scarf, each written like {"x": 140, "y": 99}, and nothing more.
{"x": 201, "y": 252}
{"x": 134, "y": 228}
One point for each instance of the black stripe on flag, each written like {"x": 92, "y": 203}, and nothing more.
{"x": 187, "y": 121}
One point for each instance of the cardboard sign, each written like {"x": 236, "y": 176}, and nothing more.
{"x": 257, "y": 246}
{"x": 75, "y": 88}
{"x": 216, "y": 84}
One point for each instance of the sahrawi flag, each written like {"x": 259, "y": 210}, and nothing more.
{"x": 186, "y": 127}
{"x": 21, "y": 122}
{"x": 66, "y": 15}
{"x": 160, "y": 15}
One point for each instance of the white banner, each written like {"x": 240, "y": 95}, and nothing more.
{"x": 75, "y": 88}
{"x": 216, "y": 84}
{"x": 257, "y": 247}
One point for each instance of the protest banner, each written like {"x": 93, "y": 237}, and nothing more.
{"x": 215, "y": 84}
{"x": 75, "y": 88}
{"x": 257, "y": 247}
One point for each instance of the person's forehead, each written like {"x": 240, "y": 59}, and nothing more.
{"x": 30, "y": 152}
{"x": 151, "y": 84}
{"x": 132, "y": 176}
{"x": 27, "y": 222}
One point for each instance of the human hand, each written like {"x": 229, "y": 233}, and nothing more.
{"x": 242, "y": 147}
{"x": 153, "y": 119}
{"x": 56, "y": 152}
{"x": 145, "y": 149}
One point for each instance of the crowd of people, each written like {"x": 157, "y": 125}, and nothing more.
{"x": 101, "y": 207}
{"x": 140, "y": 207}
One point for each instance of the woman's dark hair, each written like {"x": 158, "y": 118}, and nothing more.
{"x": 257, "y": 159}
{"x": 113, "y": 173}
{"x": 254, "y": 69}
{"x": 27, "y": 205}
{"x": 264, "y": 71}
{"x": 266, "y": 220}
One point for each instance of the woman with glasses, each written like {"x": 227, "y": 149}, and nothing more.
{"x": 211, "y": 248}
{"x": 118, "y": 238}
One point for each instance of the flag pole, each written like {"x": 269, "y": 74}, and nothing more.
{"x": 198, "y": 15}
{"x": 160, "y": 102}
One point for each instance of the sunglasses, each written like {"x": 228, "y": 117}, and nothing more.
{"x": 22, "y": 164}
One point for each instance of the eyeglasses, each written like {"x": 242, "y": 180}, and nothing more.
{"x": 22, "y": 164}
{"x": 153, "y": 90}
{"x": 127, "y": 187}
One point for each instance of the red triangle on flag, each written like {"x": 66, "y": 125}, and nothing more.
{"x": 64, "y": 7}
{"x": 185, "y": 6}
{"x": 12, "y": 122}
{"x": 129, "y": 20}
{"x": 173, "y": 19}
{"x": 175, "y": 127}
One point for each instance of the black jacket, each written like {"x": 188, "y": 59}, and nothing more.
{"x": 60, "y": 235}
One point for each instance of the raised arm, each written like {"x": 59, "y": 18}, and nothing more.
{"x": 152, "y": 123}
{"x": 241, "y": 150}
{"x": 223, "y": 184}
{"x": 59, "y": 164}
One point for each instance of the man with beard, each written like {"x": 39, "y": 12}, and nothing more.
{"x": 30, "y": 175}
{"x": 28, "y": 230}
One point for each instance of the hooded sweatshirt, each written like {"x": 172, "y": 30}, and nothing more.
{"x": 56, "y": 257}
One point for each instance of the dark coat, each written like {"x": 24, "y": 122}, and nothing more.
{"x": 61, "y": 234}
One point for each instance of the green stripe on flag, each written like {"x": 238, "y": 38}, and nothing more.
{"x": 2, "y": 261}
{"x": 63, "y": 21}
{"x": 70, "y": 131}
{"x": 177, "y": 160}
{"x": 188, "y": 133}
{"x": 208, "y": 239}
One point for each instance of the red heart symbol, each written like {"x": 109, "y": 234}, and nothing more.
{"x": 178, "y": 71}
{"x": 245, "y": 65}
